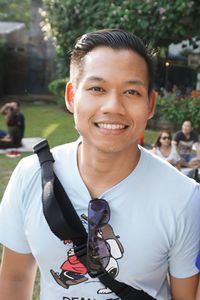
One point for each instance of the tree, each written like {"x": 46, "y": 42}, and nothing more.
{"x": 15, "y": 10}
{"x": 158, "y": 22}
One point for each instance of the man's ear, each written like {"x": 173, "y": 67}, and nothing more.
{"x": 152, "y": 103}
{"x": 69, "y": 97}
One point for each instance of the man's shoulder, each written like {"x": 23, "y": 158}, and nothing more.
{"x": 163, "y": 172}
{"x": 61, "y": 152}
{"x": 194, "y": 135}
{"x": 169, "y": 186}
{"x": 64, "y": 150}
{"x": 179, "y": 135}
{"x": 20, "y": 115}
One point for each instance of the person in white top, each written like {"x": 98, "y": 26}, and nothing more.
{"x": 152, "y": 231}
{"x": 164, "y": 148}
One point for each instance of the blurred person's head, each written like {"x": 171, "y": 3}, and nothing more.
{"x": 164, "y": 138}
{"x": 15, "y": 105}
{"x": 187, "y": 127}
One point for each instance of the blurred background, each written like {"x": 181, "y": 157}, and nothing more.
{"x": 36, "y": 37}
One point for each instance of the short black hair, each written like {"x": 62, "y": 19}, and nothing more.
{"x": 115, "y": 39}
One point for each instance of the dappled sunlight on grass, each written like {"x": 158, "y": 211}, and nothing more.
{"x": 49, "y": 130}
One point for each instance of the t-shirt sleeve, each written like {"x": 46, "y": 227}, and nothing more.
{"x": 186, "y": 244}
{"x": 12, "y": 233}
{"x": 177, "y": 137}
{"x": 195, "y": 137}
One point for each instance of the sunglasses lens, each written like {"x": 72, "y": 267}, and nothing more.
{"x": 98, "y": 254}
{"x": 98, "y": 212}
{"x": 97, "y": 250}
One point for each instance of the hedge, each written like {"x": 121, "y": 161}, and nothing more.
{"x": 174, "y": 111}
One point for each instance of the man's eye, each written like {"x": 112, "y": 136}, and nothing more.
{"x": 96, "y": 89}
{"x": 131, "y": 92}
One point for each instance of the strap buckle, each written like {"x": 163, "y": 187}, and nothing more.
{"x": 44, "y": 155}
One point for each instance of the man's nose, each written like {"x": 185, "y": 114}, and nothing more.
{"x": 113, "y": 103}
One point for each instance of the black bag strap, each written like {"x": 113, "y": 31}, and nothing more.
{"x": 57, "y": 212}
{"x": 66, "y": 224}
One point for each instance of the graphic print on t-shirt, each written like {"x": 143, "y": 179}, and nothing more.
{"x": 185, "y": 147}
{"x": 73, "y": 272}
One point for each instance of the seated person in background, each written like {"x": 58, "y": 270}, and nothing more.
{"x": 13, "y": 137}
{"x": 185, "y": 140}
{"x": 164, "y": 148}
{"x": 20, "y": 117}
{"x": 3, "y": 111}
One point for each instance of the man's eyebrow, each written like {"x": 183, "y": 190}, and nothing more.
{"x": 138, "y": 82}
{"x": 134, "y": 81}
{"x": 95, "y": 78}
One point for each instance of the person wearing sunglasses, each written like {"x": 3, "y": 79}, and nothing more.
{"x": 151, "y": 208}
{"x": 164, "y": 148}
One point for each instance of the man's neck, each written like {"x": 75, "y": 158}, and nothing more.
{"x": 187, "y": 134}
{"x": 100, "y": 171}
{"x": 165, "y": 147}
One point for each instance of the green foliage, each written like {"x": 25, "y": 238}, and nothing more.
{"x": 2, "y": 46}
{"x": 158, "y": 22}
{"x": 57, "y": 88}
{"x": 177, "y": 110}
{"x": 15, "y": 10}
{"x": 2, "y": 43}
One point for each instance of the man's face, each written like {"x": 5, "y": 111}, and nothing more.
{"x": 111, "y": 104}
{"x": 186, "y": 127}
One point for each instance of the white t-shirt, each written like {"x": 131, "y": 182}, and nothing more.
{"x": 173, "y": 156}
{"x": 154, "y": 212}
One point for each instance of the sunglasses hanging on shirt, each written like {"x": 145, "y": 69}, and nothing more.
{"x": 97, "y": 250}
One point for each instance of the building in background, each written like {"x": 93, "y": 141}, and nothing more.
{"x": 27, "y": 63}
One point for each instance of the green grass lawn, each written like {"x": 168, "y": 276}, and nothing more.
{"x": 42, "y": 120}
{"x": 51, "y": 122}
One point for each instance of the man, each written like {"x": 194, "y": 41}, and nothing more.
{"x": 11, "y": 138}
{"x": 5, "y": 110}
{"x": 154, "y": 209}
{"x": 15, "y": 106}
{"x": 186, "y": 139}
{"x": 20, "y": 118}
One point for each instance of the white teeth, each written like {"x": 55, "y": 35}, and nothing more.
{"x": 111, "y": 126}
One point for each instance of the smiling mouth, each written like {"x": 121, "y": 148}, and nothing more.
{"x": 110, "y": 126}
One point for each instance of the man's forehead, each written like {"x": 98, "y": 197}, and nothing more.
{"x": 103, "y": 80}
{"x": 103, "y": 57}
{"x": 106, "y": 51}
{"x": 99, "y": 59}
{"x": 187, "y": 123}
